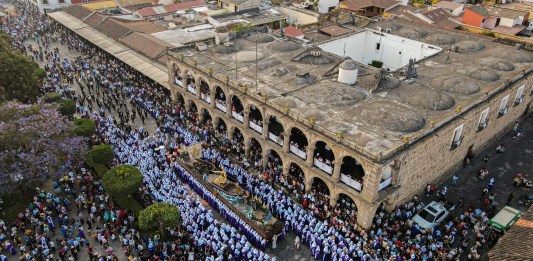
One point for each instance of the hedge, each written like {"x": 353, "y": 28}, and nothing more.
{"x": 122, "y": 180}
{"x": 84, "y": 127}
{"x": 102, "y": 154}
{"x": 67, "y": 107}
{"x": 52, "y": 97}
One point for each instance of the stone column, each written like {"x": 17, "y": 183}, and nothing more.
{"x": 173, "y": 92}
{"x": 286, "y": 141}
{"x": 333, "y": 199}
{"x": 246, "y": 118}
{"x": 201, "y": 115}
{"x": 337, "y": 171}
{"x": 371, "y": 183}
{"x": 366, "y": 213}
{"x": 198, "y": 93}
{"x": 265, "y": 157}
{"x": 308, "y": 183}
{"x": 265, "y": 129}
{"x": 247, "y": 147}
{"x": 212, "y": 92}
{"x": 310, "y": 154}
{"x": 228, "y": 106}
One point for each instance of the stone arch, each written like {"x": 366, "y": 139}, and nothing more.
{"x": 353, "y": 172}
{"x": 237, "y": 108}
{"x": 178, "y": 77}
{"x": 321, "y": 192}
{"x": 256, "y": 117}
{"x": 296, "y": 179}
{"x": 254, "y": 151}
{"x": 206, "y": 115}
{"x": 298, "y": 142}
{"x": 237, "y": 139}
{"x": 346, "y": 202}
{"x": 275, "y": 130}
{"x": 179, "y": 99}
{"x": 189, "y": 78}
{"x": 220, "y": 96}
{"x": 221, "y": 125}
{"x": 205, "y": 91}
{"x": 324, "y": 157}
{"x": 274, "y": 164}
{"x": 192, "y": 108}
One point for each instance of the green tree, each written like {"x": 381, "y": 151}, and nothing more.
{"x": 84, "y": 127}
{"x": 122, "y": 180}
{"x": 102, "y": 154}
{"x": 67, "y": 107}
{"x": 20, "y": 77}
{"x": 52, "y": 97}
{"x": 159, "y": 216}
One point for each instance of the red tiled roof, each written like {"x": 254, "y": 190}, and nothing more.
{"x": 113, "y": 29}
{"x": 441, "y": 18}
{"x": 145, "y": 44}
{"x": 77, "y": 11}
{"x": 509, "y": 30}
{"x": 291, "y": 31}
{"x": 144, "y": 27}
{"x": 166, "y": 9}
{"x": 94, "y": 19}
{"x": 516, "y": 243}
{"x": 356, "y": 5}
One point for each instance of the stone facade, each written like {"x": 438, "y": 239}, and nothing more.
{"x": 426, "y": 160}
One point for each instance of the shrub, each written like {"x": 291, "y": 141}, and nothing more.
{"x": 377, "y": 64}
{"x": 52, "y": 97}
{"x": 488, "y": 33}
{"x": 102, "y": 154}
{"x": 159, "y": 216}
{"x": 67, "y": 107}
{"x": 84, "y": 127}
{"x": 122, "y": 180}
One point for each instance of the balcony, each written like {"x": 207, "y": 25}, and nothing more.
{"x": 256, "y": 127}
{"x": 275, "y": 139}
{"x": 237, "y": 116}
{"x": 179, "y": 82}
{"x": 221, "y": 106}
{"x": 351, "y": 182}
{"x": 206, "y": 97}
{"x": 519, "y": 100}
{"x": 385, "y": 183}
{"x": 456, "y": 143}
{"x": 482, "y": 126}
{"x": 191, "y": 88}
{"x": 323, "y": 166}
{"x": 503, "y": 111}
{"x": 298, "y": 152}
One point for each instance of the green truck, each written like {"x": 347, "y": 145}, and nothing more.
{"x": 505, "y": 219}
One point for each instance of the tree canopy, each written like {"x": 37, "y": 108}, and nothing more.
{"x": 84, "y": 127}
{"x": 102, "y": 154}
{"x": 36, "y": 143}
{"x": 159, "y": 216}
{"x": 122, "y": 180}
{"x": 20, "y": 76}
{"x": 67, "y": 107}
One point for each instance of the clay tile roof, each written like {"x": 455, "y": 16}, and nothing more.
{"x": 95, "y": 19}
{"x": 334, "y": 30}
{"x": 356, "y": 5}
{"x": 291, "y": 31}
{"x": 509, "y": 30}
{"x": 448, "y": 5}
{"x": 441, "y": 18}
{"x": 516, "y": 243}
{"x": 126, "y": 3}
{"x": 77, "y": 11}
{"x": 318, "y": 37}
{"x": 145, "y": 44}
{"x": 166, "y": 9}
{"x": 144, "y": 27}
{"x": 113, "y": 29}
{"x": 497, "y": 11}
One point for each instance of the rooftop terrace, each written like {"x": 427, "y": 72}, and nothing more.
{"x": 380, "y": 109}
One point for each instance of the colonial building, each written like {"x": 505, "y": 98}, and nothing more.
{"x": 377, "y": 136}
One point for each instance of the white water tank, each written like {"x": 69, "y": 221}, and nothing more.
{"x": 348, "y": 72}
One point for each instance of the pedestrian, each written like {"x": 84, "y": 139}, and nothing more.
{"x": 484, "y": 193}
{"x": 274, "y": 241}
{"x": 455, "y": 178}
{"x": 491, "y": 184}
{"x": 297, "y": 243}
{"x": 486, "y": 159}
{"x": 510, "y": 198}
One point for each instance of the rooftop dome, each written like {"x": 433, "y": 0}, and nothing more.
{"x": 418, "y": 96}
{"x": 498, "y": 64}
{"x": 458, "y": 85}
{"x": 392, "y": 117}
{"x": 311, "y": 59}
{"x": 348, "y": 64}
{"x": 412, "y": 34}
{"x": 513, "y": 55}
{"x": 283, "y": 46}
{"x": 260, "y": 38}
{"x": 304, "y": 78}
{"x": 470, "y": 46}
{"x": 280, "y": 72}
{"x": 482, "y": 74}
{"x": 440, "y": 39}
{"x": 247, "y": 56}
{"x": 221, "y": 49}
{"x": 286, "y": 101}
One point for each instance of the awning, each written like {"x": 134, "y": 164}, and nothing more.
{"x": 142, "y": 64}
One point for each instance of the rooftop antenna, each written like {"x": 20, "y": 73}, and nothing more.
{"x": 281, "y": 28}
{"x": 411, "y": 69}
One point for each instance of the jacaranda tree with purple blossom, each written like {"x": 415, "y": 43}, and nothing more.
{"x": 36, "y": 143}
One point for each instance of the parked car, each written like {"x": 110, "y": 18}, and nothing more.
{"x": 433, "y": 214}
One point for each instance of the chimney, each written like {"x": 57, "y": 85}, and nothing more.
{"x": 348, "y": 72}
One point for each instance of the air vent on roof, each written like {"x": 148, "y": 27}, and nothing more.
{"x": 388, "y": 30}
{"x": 201, "y": 46}
{"x": 455, "y": 48}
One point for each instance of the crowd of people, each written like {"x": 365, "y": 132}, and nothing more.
{"x": 331, "y": 232}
